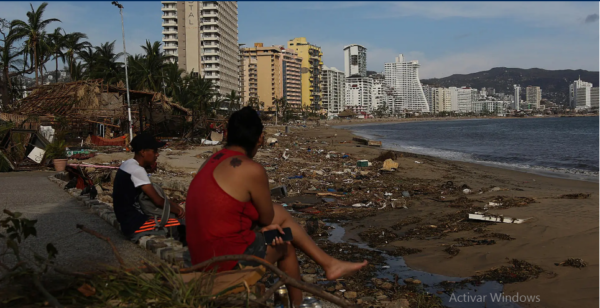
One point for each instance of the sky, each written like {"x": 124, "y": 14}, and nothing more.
{"x": 445, "y": 37}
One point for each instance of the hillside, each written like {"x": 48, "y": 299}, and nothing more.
{"x": 554, "y": 84}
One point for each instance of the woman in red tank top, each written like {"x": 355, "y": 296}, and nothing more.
{"x": 228, "y": 206}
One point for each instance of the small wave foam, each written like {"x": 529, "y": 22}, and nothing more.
{"x": 571, "y": 173}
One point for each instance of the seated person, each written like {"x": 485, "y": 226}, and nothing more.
{"x": 229, "y": 206}
{"x": 131, "y": 180}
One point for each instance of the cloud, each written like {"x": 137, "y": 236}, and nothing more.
{"x": 591, "y": 18}
{"x": 537, "y": 13}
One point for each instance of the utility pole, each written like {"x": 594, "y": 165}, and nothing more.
{"x": 120, "y": 6}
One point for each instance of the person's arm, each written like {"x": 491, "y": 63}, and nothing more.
{"x": 149, "y": 190}
{"x": 258, "y": 186}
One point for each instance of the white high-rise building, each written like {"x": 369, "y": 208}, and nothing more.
{"x": 359, "y": 94}
{"x": 333, "y": 84}
{"x": 461, "y": 99}
{"x": 403, "y": 78}
{"x": 441, "y": 99}
{"x": 580, "y": 94}
{"x": 517, "y": 97}
{"x": 594, "y": 97}
{"x": 203, "y": 38}
{"x": 378, "y": 98}
{"x": 533, "y": 96}
{"x": 355, "y": 60}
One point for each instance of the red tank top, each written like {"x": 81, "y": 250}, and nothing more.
{"x": 217, "y": 224}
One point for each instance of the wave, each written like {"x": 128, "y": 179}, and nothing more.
{"x": 561, "y": 172}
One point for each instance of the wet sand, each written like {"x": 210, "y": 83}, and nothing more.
{"x": 558, "y": 228}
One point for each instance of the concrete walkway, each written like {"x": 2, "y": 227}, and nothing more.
{"x": 57, "y": 212}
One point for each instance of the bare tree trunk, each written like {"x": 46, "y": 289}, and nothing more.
{"x": 6, "y": 99}
{"x": 36, "y": 62}
{"x": 56, "y": 72}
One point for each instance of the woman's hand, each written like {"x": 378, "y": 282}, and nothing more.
{"x": 277, "y": 240}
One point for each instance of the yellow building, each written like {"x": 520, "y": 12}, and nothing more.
{"x": 270, "y": 73}
{"x": 312, "y": 70}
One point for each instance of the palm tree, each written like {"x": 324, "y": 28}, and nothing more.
{"x": 108, "y": 68}
{"x": 89, "y": 57}
{"x": 172, "y": 78}
{"x": 76, "y": 72}
{"x": 57, "y": 43}
{"x": 32, "y": 29}
{"x": 8, "y": 61}
{"x": 73, "y": 44}
{"x": 234, "y": 101}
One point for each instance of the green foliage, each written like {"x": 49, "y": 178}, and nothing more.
{"x": 15, "y": 229}
{"x": 56, "y": 149}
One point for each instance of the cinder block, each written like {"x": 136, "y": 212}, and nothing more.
{"x": 155, "y": 244}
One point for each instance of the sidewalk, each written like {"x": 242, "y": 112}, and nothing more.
{"x": 57, "y": 212}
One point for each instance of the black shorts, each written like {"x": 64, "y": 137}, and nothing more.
{"x": 258, "y": 248}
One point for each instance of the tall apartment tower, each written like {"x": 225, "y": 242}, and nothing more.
{"x": 517, "y": 97}
{"x": 312, "y": 71}
{"x": 270, "y": 73}
{"x": 403, "y": 78}
{"x": 203, "y": 38}
{"x": 355, "y": 61}
{"x": 580, "y": 94}
{"x": 533, "y": 96}
{"x": 333, "y": 90}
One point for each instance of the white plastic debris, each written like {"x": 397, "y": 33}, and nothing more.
{"x": 496, "y": 218}
{"x": 418, "y": 162}
{"x": 466, "y": 191}
{"x": 285, "y": 155}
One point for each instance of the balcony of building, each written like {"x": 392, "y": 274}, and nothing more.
{"x": 169, "y": 31}
{"x": 170, "y": 38}
{"x": 209, "y": 13}
{"x": 170, "y": 46}
{"x": 169, "y": 23}
{"x": 169, "y": 7}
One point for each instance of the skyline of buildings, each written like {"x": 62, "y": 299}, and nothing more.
{"x": 203, "y": 38}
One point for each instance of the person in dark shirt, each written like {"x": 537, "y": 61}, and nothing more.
{"x": 131, "y": 180}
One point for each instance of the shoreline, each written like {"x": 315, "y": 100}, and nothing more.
{"x": 537, "y": 170}
{"x": 557, "y": 229}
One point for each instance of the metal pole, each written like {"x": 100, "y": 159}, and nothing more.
{"x": 126, "y": 75}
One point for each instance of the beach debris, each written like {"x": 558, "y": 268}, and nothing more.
{"x": 378, "y": 236}
{"x": 495, "y": 188}
{"x": 507, "y": 202}
{"x": 280, "y": 191}
{"x": 574, "y": 262}
{"x": 285, "y": 155}
{"x": 452, "y": 251}
{"x": 385, "y": 156}
{"x": 467, "y": 191}
{"x": 518, "y": 271}
{"x": 271, "y": 141}
{"x": 418, "y": 162}
{"x": 403, "y": 251}
{"x": 502, "y": 236}
{"x": 389, "y": 165}
{"x": 405, "y": 222}
{"x": 362, "y": 163}
{"x": 405, "y": 194}
{"x": 496, "y": 218}
{"x": 575, "y": 196}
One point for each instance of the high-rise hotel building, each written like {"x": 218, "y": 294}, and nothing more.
{"x": 312, "y": 71}
{"x": 270, "y": 73}
{"x": 403, "y": 77}
{"x": 203, "y": 38}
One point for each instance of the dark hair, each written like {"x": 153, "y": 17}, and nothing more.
{"x": 244, "y": 129}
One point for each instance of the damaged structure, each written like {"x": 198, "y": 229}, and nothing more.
{"x": 93, "y": 107}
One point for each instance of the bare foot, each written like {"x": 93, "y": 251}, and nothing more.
{"x": 339, "y": 268}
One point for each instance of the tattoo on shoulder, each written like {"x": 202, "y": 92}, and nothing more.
{"x": 235, "y": 162}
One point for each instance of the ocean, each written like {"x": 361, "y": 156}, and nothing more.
{"x": 559, "y": 147}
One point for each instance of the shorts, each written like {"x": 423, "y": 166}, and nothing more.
{"x": 258, "y": 248}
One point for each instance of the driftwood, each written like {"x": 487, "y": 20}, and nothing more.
{"x": 283, "y": 279}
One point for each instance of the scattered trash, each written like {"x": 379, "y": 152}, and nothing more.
{"x": 362, "y": 163}
{"x": 575, "y": 196}
{"x": 496, "y": 218}
{"x": 578, "y": 263}
{"x": 285, "y": 155}
{"x": 389, "y": 165}
{"x": 405, "y": 194}
{"x": 418, "y": 162}
{"x": 467, "y": 191}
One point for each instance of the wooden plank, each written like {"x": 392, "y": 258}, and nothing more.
{"x": 228, "y": 279}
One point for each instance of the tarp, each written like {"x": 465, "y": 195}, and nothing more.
{"x": 119, "y": 141}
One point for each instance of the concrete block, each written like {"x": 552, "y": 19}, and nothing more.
{"x": 144, "y": 239}
{"x": 155, "y": 244}
{"x": 162, "y": 252}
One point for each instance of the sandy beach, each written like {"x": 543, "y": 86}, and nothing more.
{"x": 556, "y": 229}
